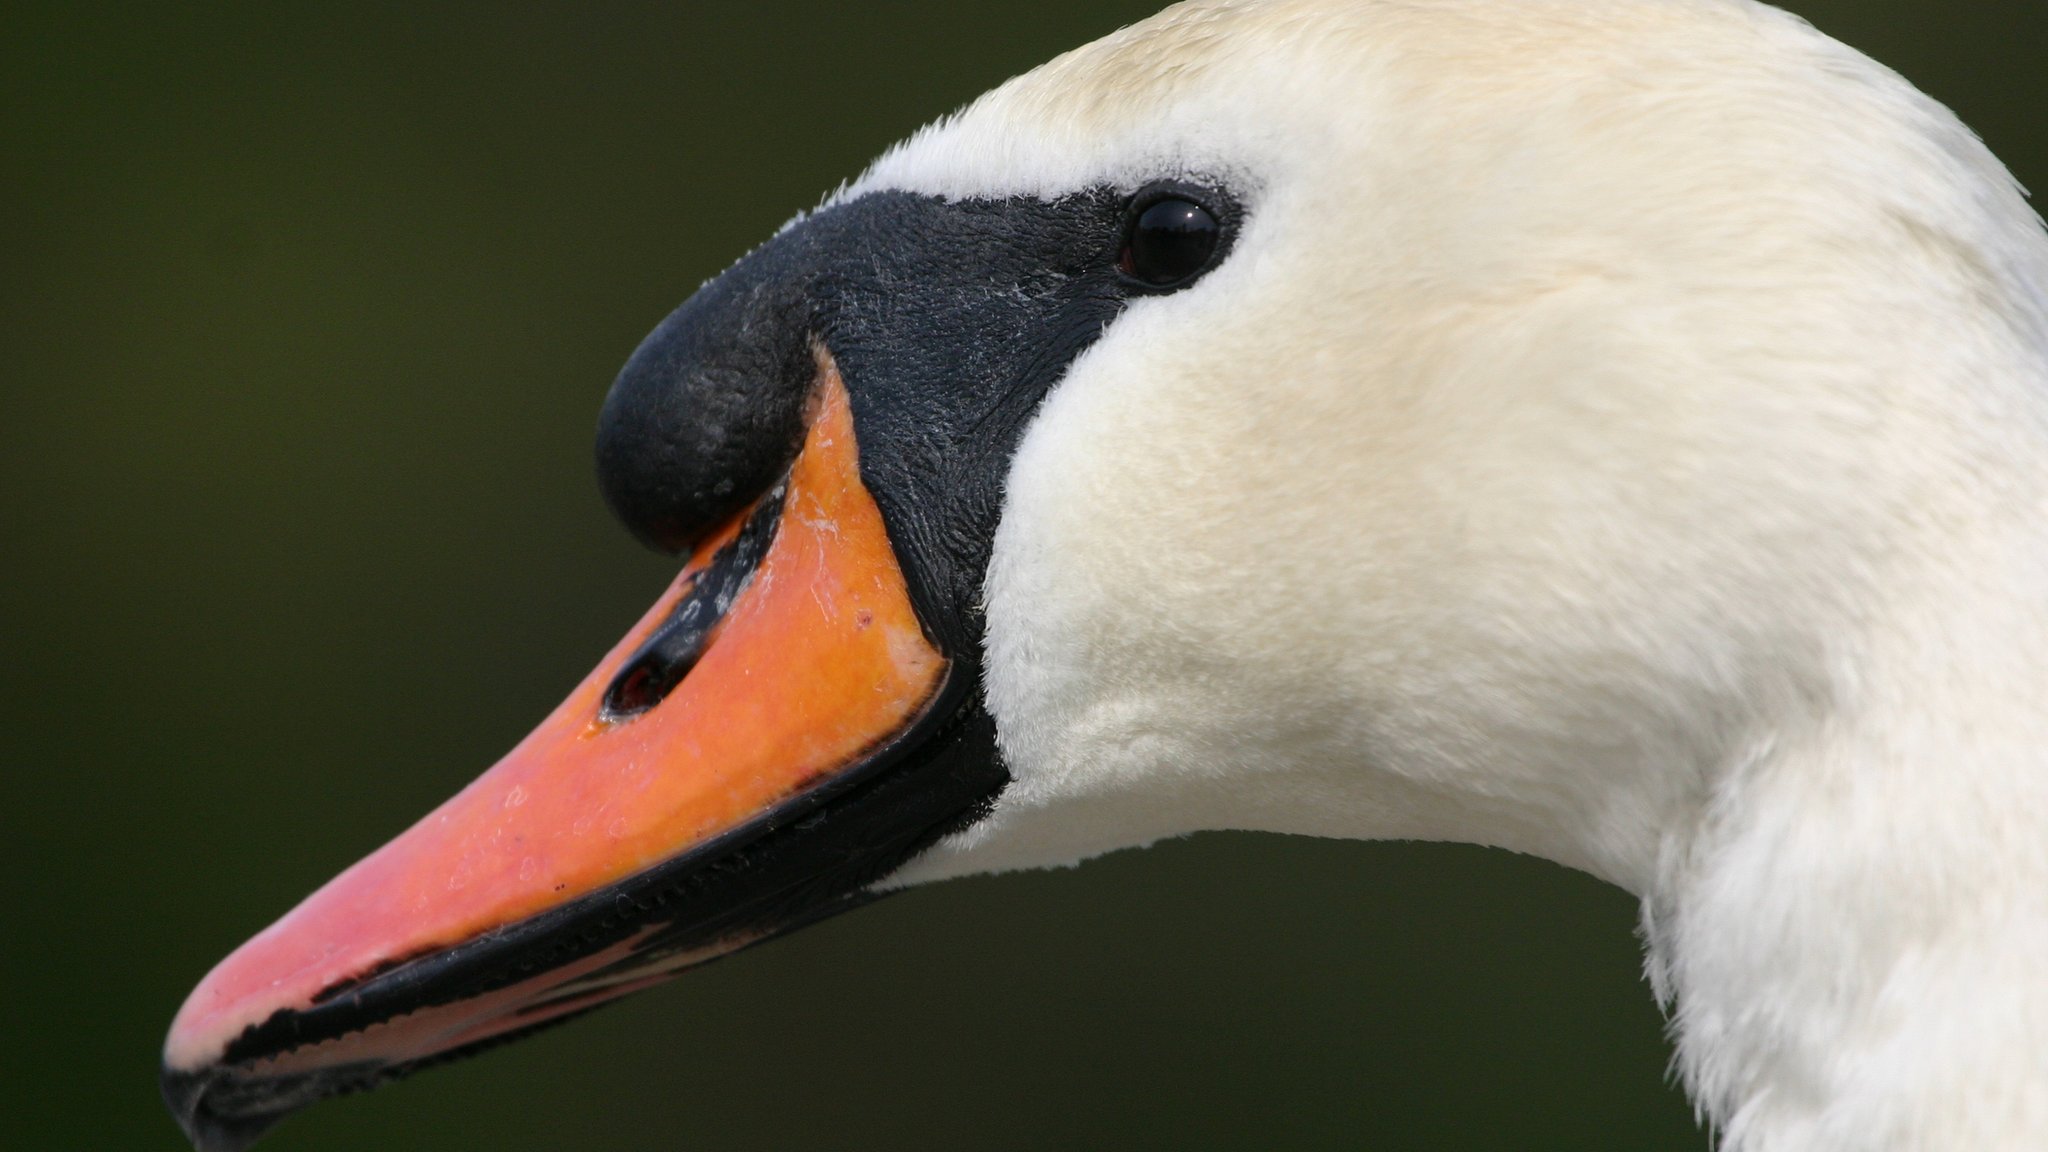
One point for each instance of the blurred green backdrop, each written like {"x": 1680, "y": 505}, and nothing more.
{"x": 305, "y": 315}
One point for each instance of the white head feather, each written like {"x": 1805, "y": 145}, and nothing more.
{"x": 1619, "y": 433}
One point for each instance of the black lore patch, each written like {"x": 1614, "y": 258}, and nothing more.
{"x": 949, "y": 320}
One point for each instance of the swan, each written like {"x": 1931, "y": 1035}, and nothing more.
{"x": 1610, "y": 430}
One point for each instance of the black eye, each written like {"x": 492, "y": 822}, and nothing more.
{"x": 1168, "y": 242}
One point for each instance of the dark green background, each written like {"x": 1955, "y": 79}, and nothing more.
{"x": 304, "y": 320}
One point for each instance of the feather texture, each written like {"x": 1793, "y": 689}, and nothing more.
{"x": 1620, "y": 434}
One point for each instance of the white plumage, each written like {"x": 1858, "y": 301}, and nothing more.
{"x": 1619, "y": 435}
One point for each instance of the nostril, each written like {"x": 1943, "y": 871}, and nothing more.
{"x": 644, "y": 683}
{"x": 667, "y": 656}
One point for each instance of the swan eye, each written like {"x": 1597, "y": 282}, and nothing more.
{"x": 1168, "y": 242}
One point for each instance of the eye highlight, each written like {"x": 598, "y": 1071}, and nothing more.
{"x": 1169, "y": 239}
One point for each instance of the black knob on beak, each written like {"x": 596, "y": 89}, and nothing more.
{"x": 708, "y": 412}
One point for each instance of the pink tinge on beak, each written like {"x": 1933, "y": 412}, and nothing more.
{"x": 817, "y": 661}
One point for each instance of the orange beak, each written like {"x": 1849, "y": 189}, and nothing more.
{"x": 646, "y": 826}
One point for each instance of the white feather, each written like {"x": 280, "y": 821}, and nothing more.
{"x": 1620, "y": 434}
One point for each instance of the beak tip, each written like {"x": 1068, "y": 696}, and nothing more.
{"x": 186, "y": 1095}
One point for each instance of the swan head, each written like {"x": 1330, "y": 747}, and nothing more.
{"x": 1523, "y": 417}
{"x": 1581, "y": 380}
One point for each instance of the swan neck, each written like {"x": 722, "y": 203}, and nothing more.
{"x": 1852, "y": 937}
